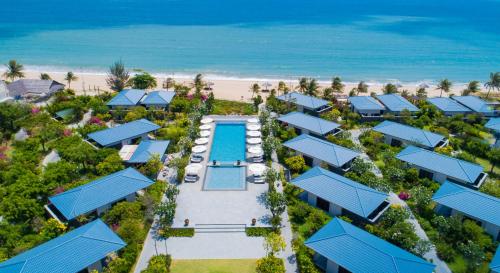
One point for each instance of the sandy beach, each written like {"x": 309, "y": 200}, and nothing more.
{"x": 229, "y": 89}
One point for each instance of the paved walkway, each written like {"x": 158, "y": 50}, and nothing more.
{"x": 81, "y": 123}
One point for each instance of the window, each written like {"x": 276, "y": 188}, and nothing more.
{"x": 322, "y": 204}
{"x": 396, "y": 142}
{"x": 425, "y": 174}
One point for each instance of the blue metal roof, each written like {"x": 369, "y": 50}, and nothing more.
{"x": 359, "y": 251}
{"x": 475, "y": 103}
{"x": 448, "y": 105}
{"x": 396, "y": 103}
{"x": 495, "y": 262}
{"x": 493, "y": 124}
{"x": 474, "y": 203}
{"x": 115, "y": 135}
{"x": 100, "y": 192}
{"x": 316, "y": 125}
{"x": 158, "y": 97}
{"x": 321, "y": 149}
{"x": 365, "y": 103}
{"x": 450, "y": 166}
{"x": 148, "y": 148}
{"x": 127, "y": 97}
{"x": 408, "y": 133}
{"x": 350, "y": 195}
{"x": 306, "y": 101}
{"x": 68, "y": 253}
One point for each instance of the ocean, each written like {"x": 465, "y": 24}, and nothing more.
{"x": 385, "y": 40}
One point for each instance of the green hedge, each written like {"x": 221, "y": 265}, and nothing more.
{"x": 258, "y": 231}
{"x": 180, "y": 232}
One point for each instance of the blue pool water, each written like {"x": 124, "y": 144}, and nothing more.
{"x": 229, "y": 142}
{"x": 225, "y": 178}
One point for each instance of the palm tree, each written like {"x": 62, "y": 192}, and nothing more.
{"x": 69, "y": 78}
{"x": 118, "y": 76}
{"x": 362, "y": 88}
{"x": 312, "y": 88}
{"x": 472, "y": 88}
{"x": 282, "y": 87}
{"x": 493, "y": 83}
{"x": 444, "y": 85}
{"x": 168, "y": 83}
{"x": 14, "y": 70}
{"x": 303, "y": 83}
{"x": 390, "y": 88}
{"x": 337, "y": 85}
{"x": 255, "y": 89}
{"x": 198, "y": 83}
{"x": 45, "y": 76}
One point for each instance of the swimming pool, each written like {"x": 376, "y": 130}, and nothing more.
{"x": 225, "y": 178}
{"x": 229, "y": 142}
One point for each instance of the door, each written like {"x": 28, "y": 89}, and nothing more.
{"x": 323, "y": 204}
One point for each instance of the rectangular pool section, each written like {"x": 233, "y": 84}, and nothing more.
{"x": 225, "y": 178}
{"x": 229, "y": 142}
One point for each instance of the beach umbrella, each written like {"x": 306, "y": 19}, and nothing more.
{"x": 256, "y": 150}
{"x": 257, "y": 169}
{"x": 253, "y": 120}
{"x": 253, "y": 127}
{"x": 266, "y": 85}
{"x": 205, "y": 133}
{"x": 201, "y": 141}
{"x": 199, "y": 149}
{"x": 423, "y": 85}
{"x": 207, "y": 120}
{"x": 193, "y": 168}
{"x": 253, "y": 133}
{"x": 256, "y": 140}
{"x": 205, "y": 127}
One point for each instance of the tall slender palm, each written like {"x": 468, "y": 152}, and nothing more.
{"x": 472, "y": 88}
{"x": 14, "y": 70}
{"x": 70, "y": 76}
{"x": 337, "y": 85}
{"x": 303, "y": 83}
{"x": 255, "y": 89}
{"x": 118, "y": 76}
{"x": 312, "y": 88}
{"x": 282, "y": 87}
{"x": 45, "y": 76}
{"x": 361, "y": 88}
{"x": 444, "y": 85}
{"x": 493, "y": 83}
{"x": 198, "y": 83}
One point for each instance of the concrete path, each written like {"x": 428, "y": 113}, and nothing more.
{"x": 86, "y": 117}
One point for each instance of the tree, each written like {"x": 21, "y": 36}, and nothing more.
{"x": 143, "y": 80}
{"x": 312, "y": 88}
{"x": 14, "y": 70}
{"x": 337, "y": 85}
{"x": 112, "y": 163}
{"x": 255, "y": 89}
{"x": 296, "y": 163}
{"x": 45, "y": 76}
{"x": 303, "y": 84}
{"x": 158, "y": 264}
{"x": 328, "y": 93}
{"x": 472, "y": 88}
{"x": 274, "y": 244}
{"x": 494, "y": 157}
{"x": 136, "y": 113}
{"x": 276, "y": 203}
{"x": 421, "y": 93}
{"x": 257, "y": 101}
{"x": 270, "y": 265}
{"x": 282, "y": 87}
{"x": 198, "y": 83}
{"x": 69, "y": 78}
{"x": 169, "y": 83}
{"x": 152, "y": 167}
{"x": 444, "y": 85}
{"x": 118, "y": 76}
{"x": 422, "y": 196}
{"x": 493, "y": 83}
{"x": 361, "y": 88}
{"x": 390, "y": 88}
{"x": 473, "y": 253}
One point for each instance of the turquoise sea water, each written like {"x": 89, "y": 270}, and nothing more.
{"x": 409, "y": 40}
{"x": 228, "y": 144}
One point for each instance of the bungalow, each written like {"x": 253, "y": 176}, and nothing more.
{"x": 126, "y": 98}
{"x": 477, "y": 105}
{"x": 395, "y": 104}
{"x": 397, "y": 134}
{"x": 306, "y": 104}
{"x": 317, "y": 152}
{"x": 33, "y": 88}
{"x": 495, "y": 262}
{"x": 339, "y": 195}
{"x": 453, "y": 199}
{"x": 306, "y": 124}
{"x": 124, "y": 134}
{"x": 441, "y": 168}
{"x": 449, "y": 107}
{"x": 494, "y": 125}
{"x": 84, "y": 249}
{"x": 343, "y": 247}
{"x": 366, "y": 106}
{"x": 97, "y": 196}
{"x": 158, "y": 99}
{"x": 140, "y": 154}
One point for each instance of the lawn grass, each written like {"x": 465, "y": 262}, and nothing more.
{"x": 214, "y": 266}
{"x": 487, "y": 165}
{"x": 227, "y": 107}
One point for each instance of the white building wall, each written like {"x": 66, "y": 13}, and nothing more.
{"x": 331, "y": 267}
{"x": 300, "y": 108}
{"x": 103, "y": 209}
{"x": 130, "y": 197}
{"x": 335, "y": 210}
{"x": 491, "y": 229}
{"x": 316, "y": 162}
{"x": 311, "y": 199}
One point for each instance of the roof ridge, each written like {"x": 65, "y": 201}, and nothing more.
{"x": 462, "y": 168}
{"x": 359, "y": 201}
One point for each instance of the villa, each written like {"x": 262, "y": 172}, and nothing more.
{"x": 158, "y": 100}
{"x": 339, "y": 195}
{"x": 397, "y": 134}
{"x": 306, "y": 104}
{"x": 477, "y": 105}
{"x": 317, "y": 152}
{"x": 395, "y": 104}
{"x": 342, "y": 247}
{"x": 494, "y": 125}
{"x": 33, "y": 88}
{"x": 306, "y": 124}
{"x": 366, "y": 106}
{"x": 142, "y": 153}
{"x": 84, "y": 249}
{"x": 495, "y": 262}
{"x": 124, "y": 134}
{"x": 484, "y": 209}
{"x": 448, "y": 106}
{"x": 441, "y": 168}
{"x": 126, "y": 98}
{"x": 97, "y": 196}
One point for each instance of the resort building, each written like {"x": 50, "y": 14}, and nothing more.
{"x": 342, "y": 247}
{"x": 307, "y": 124}
{"x": 453, "y": 199}
{"x": 84, "y": 249}
{"x": 397, "y": 134}
{"x": 495, "y": 262}
{"x": 477, "y": 105}
{"x": 97, "y": 196}
{"x": 338, "y": 195}
{"x": 366, "y": 106}
{"x": 448, "y": 106}
{"x": 126, "y": 98}
{"x": 441, "y": 168}
{"x": 494, "y": 125}
{"x": 142, "y": 153}
{"x": 33, "y": 88}
{"x": 158, "y": 99}
{"x": 306, "y": 104}
{"x": 318, "y": 152}
{"x": 395, "y": 104}
{"x": 124, "y": 134}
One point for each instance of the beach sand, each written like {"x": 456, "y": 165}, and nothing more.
{"x": 228, "y": 89}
